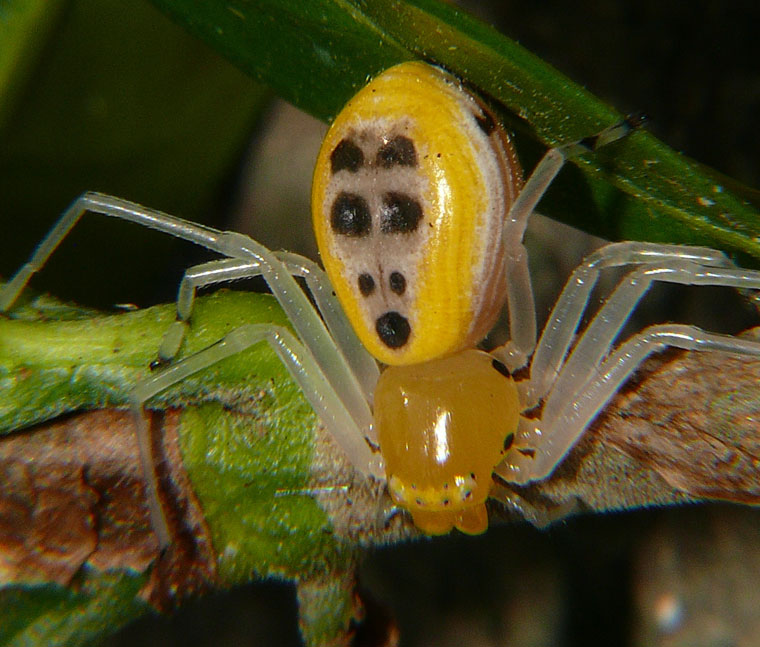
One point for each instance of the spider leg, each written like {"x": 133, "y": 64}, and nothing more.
{"x": 361, "y": 363}
{"x": 332, "y": 367}
{"x": 559, "y": 435}
{"x": 566, "y": 315}
{"x": 539, "y": 517}
{"x": 304, "y": 318}
{"x": 199, "y": 276}
{"x": 598, "y": 338}
{"x": 588, "y": 378}
{"x": 520, "y": 301}
{"x": 302, "y": 367}
{"x": 108, "y": 206}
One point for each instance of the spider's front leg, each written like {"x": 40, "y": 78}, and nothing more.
{"x": 325, "y": 369}
{"x": 575, "y": 389}
{"x": 333, "y": 371}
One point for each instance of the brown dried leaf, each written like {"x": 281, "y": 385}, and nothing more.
{"x": 686, "y": 428}
{"x": 703, "y": 437}
{"x": 72, "y": 494}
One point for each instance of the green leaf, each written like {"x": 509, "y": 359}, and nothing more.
{"x": 52, "y": 615}
{"x": 24, "y": 27}
{"x": 321, "y": 52}
{"x": 119, "y": 99}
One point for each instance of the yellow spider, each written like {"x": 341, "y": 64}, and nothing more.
{"x": 419, "y": 210}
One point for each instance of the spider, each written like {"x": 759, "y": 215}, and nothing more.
{"x": 419, "y": 210}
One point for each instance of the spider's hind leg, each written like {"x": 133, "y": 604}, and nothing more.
{"x": 575, "y": 388}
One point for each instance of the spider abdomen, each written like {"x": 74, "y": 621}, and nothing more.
{"x": 411, "y": 189}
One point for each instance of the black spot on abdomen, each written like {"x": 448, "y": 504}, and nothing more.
{"x": 393, "y": 329}
{"x": 399, "y": 213}
{"x": 350, "y": 215}
{"x": 399, "y": 151}
{"x": 366, "y": 284}
{"x": 397, "y": 282}
{"x": 346, "y": 155}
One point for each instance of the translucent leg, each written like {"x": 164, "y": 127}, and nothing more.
{"x": 538, "y": 517}
{"x": 522, "y": 311}
{"x": 598, "y": 338}
{"x": 199, "y": 276}
{"x": 520, "y": 302}
{"x": 552, "y": 438}
{"x": 109, "y": 206}
{"x": 294, "y": 302}
{"x": 362, "y": 364}
{"x": 343, "y": 404}
{"x": 302, "y": 367}
{"x": 566, "y": 315}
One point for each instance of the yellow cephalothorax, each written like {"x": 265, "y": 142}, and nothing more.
{"x": 442, "y": 427}
{"x": 412, "y": 186}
